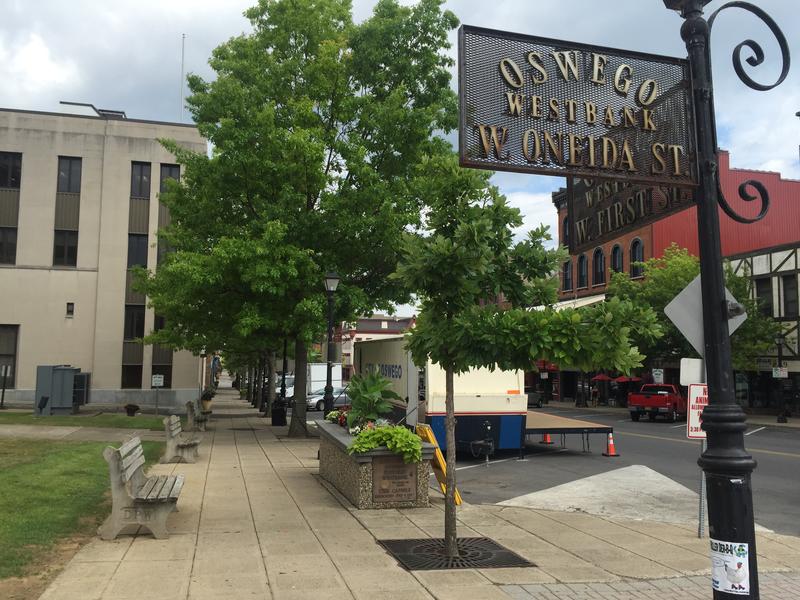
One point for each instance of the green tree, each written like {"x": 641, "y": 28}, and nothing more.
{"x": 476, "y": 284}
{"x": 317, "y": 125}
{"x": 664, "y": 278}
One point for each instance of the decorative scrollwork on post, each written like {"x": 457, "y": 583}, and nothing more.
{"x": 755, "y": 60}
{"x": 758, "y": 53}
{"x": 762, "y": 195}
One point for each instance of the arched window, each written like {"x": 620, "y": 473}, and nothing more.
{"x": 565, "y": 233}
{"x": 637, "y": 256}
{"x": 598, "y": 267}
{"x": 583, "y": 279}
{"x": 616, "y": 259}
{"x": 567, "y": 274}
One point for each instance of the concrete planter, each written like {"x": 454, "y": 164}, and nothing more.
{"x": 375, "y": 479}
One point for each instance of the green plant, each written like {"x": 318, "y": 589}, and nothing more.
{"x": 333, "y": 416}
{"x": 369, "y": 398}
{"x": 397, "y": 438}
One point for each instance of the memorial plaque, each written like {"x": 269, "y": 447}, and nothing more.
{"x": 393, "y": 480}
{"x": 537, "y": 105}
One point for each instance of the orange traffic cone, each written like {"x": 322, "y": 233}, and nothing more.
{"x": 546, "y": 439}
{"x": 610, "y": 449}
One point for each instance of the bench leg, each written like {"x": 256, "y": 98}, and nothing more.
{"x": 111, "y": 527}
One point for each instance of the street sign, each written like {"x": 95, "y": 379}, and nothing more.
{"x": 780, "y": 373}
{"x": 658, "y": 375}
{"x": 693, "y": 370}
{"x": 686, "y": 312}
{"x": 600, "y": 211}
{"x": 157, "y": 381}
{"x": 698, "y": 398}
{"x": 537, "y": 105}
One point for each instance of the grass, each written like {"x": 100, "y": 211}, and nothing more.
{"x": 116, "y": 420}
{"x": 50, "y": 491}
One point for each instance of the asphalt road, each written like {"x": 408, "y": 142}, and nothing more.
{"x": 658, "y": 445}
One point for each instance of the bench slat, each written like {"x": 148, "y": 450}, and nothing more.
{"x": 176, "y": 487}
{"x": 133, "y": 467}
{"x": 147, "y": 487}
{"x": 166, "y": 491}
{"x": 129, "y": 446}
{"x": 131, "y": 457}
{"x": 156, "y": 490}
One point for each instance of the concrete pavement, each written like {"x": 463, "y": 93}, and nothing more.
{"x": 256, "y": 521}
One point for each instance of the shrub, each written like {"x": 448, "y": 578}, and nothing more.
{"x": 397, "y": 439}
{"x": 369, "y": 398}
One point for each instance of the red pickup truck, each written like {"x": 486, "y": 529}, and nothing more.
{"x": 657, "y": 399}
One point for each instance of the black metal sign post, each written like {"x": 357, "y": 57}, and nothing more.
{"x": 726, "y": 462}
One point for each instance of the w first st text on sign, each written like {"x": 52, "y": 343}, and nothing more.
{"x": 698, "y": 399}
{"x": 537, "y": 105}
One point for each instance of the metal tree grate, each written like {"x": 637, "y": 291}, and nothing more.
{"x": 475, "y": 553}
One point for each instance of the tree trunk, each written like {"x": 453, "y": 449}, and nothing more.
{"x": 270, "y": 383}
{"x": 297, "y": 426}
{"x": 249, "y": 395}
{"x": 257, "y": 385}
{"x": 262, "y": 399}
{"x": 450, "y": 535}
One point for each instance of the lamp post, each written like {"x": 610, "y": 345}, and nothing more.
{"x": 331, "y": 283}
{"x": 726, "y": 462}
{"x": 781, "y": 406}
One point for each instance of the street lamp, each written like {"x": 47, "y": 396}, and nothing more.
{"x": 781, "y": 408}
{"x": 331, "y": 283}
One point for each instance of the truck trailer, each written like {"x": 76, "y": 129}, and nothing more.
{"x": 487, "y": 403}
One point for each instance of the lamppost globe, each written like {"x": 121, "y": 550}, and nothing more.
{"x": 331, "y": 283}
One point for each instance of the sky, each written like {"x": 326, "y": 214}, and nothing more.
{"x": 126, "y": 55}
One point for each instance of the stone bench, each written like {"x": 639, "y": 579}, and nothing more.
{"x": 136, "y": 499}
{"x": 195, "y": 420}
{"x": 179, "y": 446}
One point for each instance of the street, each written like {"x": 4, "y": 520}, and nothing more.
{"x": 659, "y": 445}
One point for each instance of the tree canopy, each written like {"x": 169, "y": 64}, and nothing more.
{"x": 316, "y": 126}
{"x": 664, "y": 278}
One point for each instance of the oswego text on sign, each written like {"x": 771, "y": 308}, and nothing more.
{"x": 536, "y": 105}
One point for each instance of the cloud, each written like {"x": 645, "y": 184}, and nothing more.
{"x": 29, "y": 69}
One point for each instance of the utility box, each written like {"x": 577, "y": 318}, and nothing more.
{"x": 55, "y": 388}
{"x": 81, "y": 392}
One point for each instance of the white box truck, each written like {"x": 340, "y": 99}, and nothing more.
{"x": 318, "y": 373}
{"x": 481, "y": 396}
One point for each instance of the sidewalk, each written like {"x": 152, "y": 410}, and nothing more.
{"x": 256, "y": 521}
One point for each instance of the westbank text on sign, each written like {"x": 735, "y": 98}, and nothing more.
{"x": 536, "y": 105}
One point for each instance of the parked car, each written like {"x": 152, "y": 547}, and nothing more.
{"x": 656, "y": 399}
{"x": 316, "y": 400}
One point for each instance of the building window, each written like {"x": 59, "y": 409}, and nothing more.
{"x": 583, "y": 279}
{"x": 598, "y": 267}
{"x": 8, "y": 245}
{"x": 790, "y": 306}
{"x": 69, "y": 174}
{"x": 616, "y": 259}
{"x": 637, "y": 256}
{"x": 166, "y": 371}
{"x": 70, "y": 309}
{"x": 764, "y": 295}
{"x": 567, "y": 270}
{"x": 8, "y": 352}
{"x": 10, "y": 170}
{"x": 131, "y": 377}
{"x": 169, "y": 172}
{"x": 65, "y": 248}
{"x": 140, "y": 180}
{"x": 565, "y": 233}
{"x": 137, "y": 250}
{"x": 134, "y": 322}
{"x": 159, "y": 322}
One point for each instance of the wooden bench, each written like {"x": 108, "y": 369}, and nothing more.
{"x": 195, "y": 421}
{"x": 136, "y": 499}
{"x": 179, "y": 447}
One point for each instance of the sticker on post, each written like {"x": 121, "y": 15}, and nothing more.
{"x": 730, "y": 567}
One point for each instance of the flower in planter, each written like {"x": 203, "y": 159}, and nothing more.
{"x": 333, "y": 416}
{"x": 342, "y": 418}
{"x": 354, "y": 430}
{"x": 397, "y": 438}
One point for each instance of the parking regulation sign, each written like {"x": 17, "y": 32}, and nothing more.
{"x": 698, "y": 398}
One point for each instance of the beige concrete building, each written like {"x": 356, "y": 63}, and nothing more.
{"x": 78, "y": 207}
